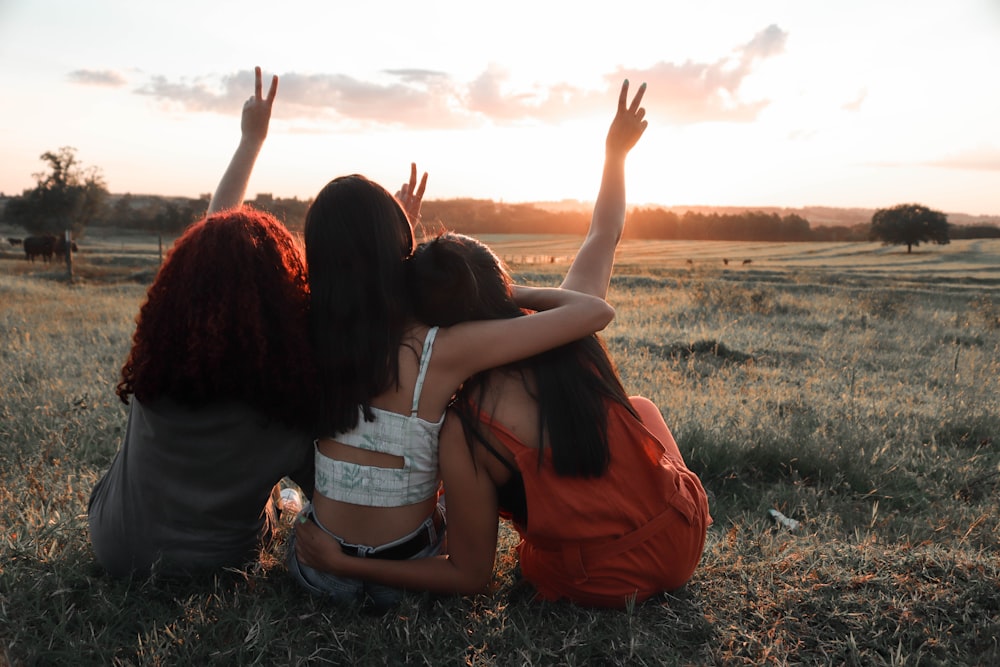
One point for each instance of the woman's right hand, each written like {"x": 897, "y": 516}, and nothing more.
{"x": 253, "y": 125}
{"x": 315, "y": 548}
{"x": 257, "y": 110}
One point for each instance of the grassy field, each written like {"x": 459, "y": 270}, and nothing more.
{"x": 853, "y": 387}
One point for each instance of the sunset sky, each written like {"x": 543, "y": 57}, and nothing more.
{"x": 858, "y": 103}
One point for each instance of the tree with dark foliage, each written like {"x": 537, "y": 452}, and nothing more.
{"x": 67, "y": 196}
{"x": 909, "y": 225}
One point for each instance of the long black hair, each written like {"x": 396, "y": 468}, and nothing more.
{"x": 357, "y": 240}
{"x": 455, "y": 278}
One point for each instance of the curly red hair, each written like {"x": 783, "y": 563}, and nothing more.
{"x": 226, "y": 318}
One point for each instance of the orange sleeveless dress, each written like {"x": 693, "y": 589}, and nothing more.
{"x": 636, "y": 531}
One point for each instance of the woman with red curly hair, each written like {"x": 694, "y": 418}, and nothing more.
{"x": 220, "y": 387}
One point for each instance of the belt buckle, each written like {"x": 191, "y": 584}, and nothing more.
{"x": 349, "y": 550}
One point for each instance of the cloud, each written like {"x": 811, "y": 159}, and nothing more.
{"x": 108, "y": 78}
{"x": 982, "y": 158}
{"x": 855, "y": 104}
{"x": 413, "y": 98}
{"x": 768, "y": 42}
{"x": 223, "y": 95}
{"x": 688, "y": 92}
{"x": 693, "y": 92}
{"x": 491, "y": 96}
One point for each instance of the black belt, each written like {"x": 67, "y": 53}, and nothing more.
{"x": 404, "y": 550}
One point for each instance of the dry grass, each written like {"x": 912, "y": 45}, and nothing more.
{"x": 864, "y": 403}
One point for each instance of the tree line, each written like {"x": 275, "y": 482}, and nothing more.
{"x": 70, "y": 196}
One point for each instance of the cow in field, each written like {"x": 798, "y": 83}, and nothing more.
{"x": 14, "y": 241}
{"x": 39, "y": 246}
{"x": 46, "y": 247}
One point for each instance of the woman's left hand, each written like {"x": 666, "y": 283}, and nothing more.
{"x": 628, "y": 123}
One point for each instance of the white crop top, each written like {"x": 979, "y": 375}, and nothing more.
{"x": 408, "y": 436}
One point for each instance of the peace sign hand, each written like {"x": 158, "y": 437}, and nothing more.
{"x": 411, "y": 195}
{"x": 257, "y": 110}
{"x": 628, "y": 124}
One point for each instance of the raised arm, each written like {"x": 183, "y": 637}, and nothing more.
{"x": 472, "y": 533}
{"x": 591, "y": 270}
{"x": 253, "y": 125}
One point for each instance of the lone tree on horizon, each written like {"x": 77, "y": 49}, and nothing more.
{"x": 909, "y": 225}
{"x": 66, "y": 196}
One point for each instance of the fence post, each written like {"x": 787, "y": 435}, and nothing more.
{"x": 68, "y": 244}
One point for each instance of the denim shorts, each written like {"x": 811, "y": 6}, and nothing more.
{"x": 358, "y": 591}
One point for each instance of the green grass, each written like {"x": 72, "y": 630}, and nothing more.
{"x": 862, "y": 399}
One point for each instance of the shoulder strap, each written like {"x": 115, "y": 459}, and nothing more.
{"x": 425, "y": 361}
{"x": 484, "y": 420}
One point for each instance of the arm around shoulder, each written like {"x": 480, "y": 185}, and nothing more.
{"x": 562, "y": 317}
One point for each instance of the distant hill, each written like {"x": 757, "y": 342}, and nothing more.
{"x": 816, "y": 215}
{"x": 567, "y": 216}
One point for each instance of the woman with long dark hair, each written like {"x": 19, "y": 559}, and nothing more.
{"x": 592, "y": 478}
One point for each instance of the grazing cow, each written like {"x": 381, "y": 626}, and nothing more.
{"x": 14, "y": 241}
{"x": 747, "y": 261}
{"x": 39, "y": 246}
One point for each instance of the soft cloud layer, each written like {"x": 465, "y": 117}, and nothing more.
{"x": 108, "y": 78}
{"x": 693, "y": 92}
{"x": 750, "y": 103}
{"x": 688, "y": 92}
{"x": 220, "y": 95}
{"x": 984, "y": 158}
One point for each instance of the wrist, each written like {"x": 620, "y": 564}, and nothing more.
{"x": 615, "y": 154}
{"x": 251, "y": 143}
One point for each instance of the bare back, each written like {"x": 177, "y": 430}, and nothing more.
{"x": 362, "y": 524}
{"x": 508, "y": 401}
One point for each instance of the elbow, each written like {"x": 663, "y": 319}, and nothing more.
{"x": 474, "y": 580}
{"x": 477, "y": 584}
{"x": 606, "y": 316}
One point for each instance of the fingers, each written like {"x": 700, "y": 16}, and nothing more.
{"x": 623, "y": 95}
{"x": 273, "y": 90}
{"x": 414, "y": 191}
{"x": 423, "y": 186}
{"x": 258, "y": 87}
{"x": 303, "y": 532}
{"x": 637, "y": 99}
